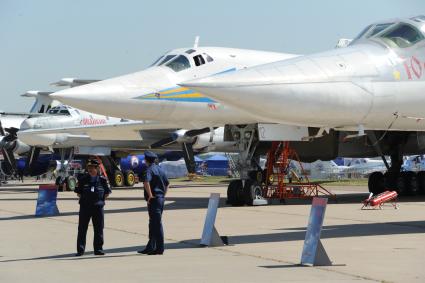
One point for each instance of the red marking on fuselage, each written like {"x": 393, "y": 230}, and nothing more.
{"x": 416, "y": 66}
{"x": 92, "y": 121}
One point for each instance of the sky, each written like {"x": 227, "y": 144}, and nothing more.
{"x": 42, "y": 41}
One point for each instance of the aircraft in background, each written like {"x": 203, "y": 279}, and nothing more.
{"x": 10, "y": 122}
{"x": 363, "y": 100}
{"x": 73, "y": 132}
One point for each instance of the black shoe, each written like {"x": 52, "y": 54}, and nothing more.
{"x": 145, "y": 251}
{"x": 79, "y": 254}
{"x": 99, "y": 253}
{"x": 155, "y": 253}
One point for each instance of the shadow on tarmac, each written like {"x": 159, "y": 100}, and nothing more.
{"x": 114, "y": 252}
{"x": 289, "y": 234}
{"x": 177, "y": 203}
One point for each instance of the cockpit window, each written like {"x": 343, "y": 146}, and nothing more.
{"x": 402, "y": 35}
{"x": 419, "y": 19}
{"x": 166, "y": 59}
{"x": 362, "y": 32}
{"x": 156, "y": 61}
{"x": 59, "y": 110}
{"x": 209, "y": 58}
{"x": 190, "y": 51}
{"x": 378, "y": 28}
{"x": 54, "y": 110}
{"x": 199, "y": 60}
{"x": 371, "y": 30}
{"x": 179, "y": 64}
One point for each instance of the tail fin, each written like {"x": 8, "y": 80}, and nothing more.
{"x": 43, "y": 102}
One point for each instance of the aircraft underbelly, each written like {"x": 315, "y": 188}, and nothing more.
{"x": 324, "y": 104}
{"x": 398, "y": 106}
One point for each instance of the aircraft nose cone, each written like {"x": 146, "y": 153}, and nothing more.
{"x": 72, "y": 96}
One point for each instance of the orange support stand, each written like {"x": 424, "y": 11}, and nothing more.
{"x": 102, "y": 168}
{"x": 278, "y": 168}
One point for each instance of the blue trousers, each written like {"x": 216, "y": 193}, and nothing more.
{"x": 95, "y": 213}
{"x": 156, "y": 232}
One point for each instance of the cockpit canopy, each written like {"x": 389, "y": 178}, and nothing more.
{"x": 61, "y": 110}
{"x": 396, "y": 34}
{"x": 179, "y": 61}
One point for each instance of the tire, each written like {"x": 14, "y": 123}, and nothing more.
{"x": 130, "y": 178}
{"x": 256, "y": 175}
{"x": 235, "y": 193}
{"x": 411, "y": 182}
{"x": 57, "y": 181}
{"x": 118, "y": 179}
{"x": 264, "y": 177}
{"x": 58, "y": 184}
{"x": 407, "y": 183}
{"x": 420, "y": 178}
{"x": 252, "y": 191}
{"x": 376, "y": 183}
{"x": 71, "y": 183}
{"x": 390, "y": 179}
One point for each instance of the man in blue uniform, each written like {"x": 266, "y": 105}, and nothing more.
{"x": 156, "y": 186}
{"x": 92, "y": 191}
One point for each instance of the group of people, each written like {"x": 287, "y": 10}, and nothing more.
{"x": 93, "y": 190}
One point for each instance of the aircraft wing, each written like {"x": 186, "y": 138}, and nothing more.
{"x": 117, "y": 131}
{"x": 23, "y": 114}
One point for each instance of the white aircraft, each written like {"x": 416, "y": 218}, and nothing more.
{"x": 152, "y": 94}
{"x": 374, "y": 87}
{"x": 76, "y": 132}
{"x": 364, "y": 166}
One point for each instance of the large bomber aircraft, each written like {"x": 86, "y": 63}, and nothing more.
{"x": 154, "y": 94}
{"x": 73, "y": 132}
{"x": 367, "y": 97}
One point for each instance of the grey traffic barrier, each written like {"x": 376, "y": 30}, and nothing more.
{"x": 210, "y": 236}
{"x": 313, "y": 251}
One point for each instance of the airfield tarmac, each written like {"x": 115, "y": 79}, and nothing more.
{"x": 265, "y": 242}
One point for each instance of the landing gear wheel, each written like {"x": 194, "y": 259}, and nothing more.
{"x": 407, "y": 183}
{"x": 59, "y": 184}
{"x": 118, "y": 179}
{"x": 71, "y": 183}
{"x": 235, "y": 193}
{"x": 391, "y": 181}
{"x": 252, "y": 191}
{"x": 420, "y": 177}
{"x": 264, "y": 177}
{"x": 130, "y": 178}
{"x": 256, "y": 175}
{"x": 376, "y": 183}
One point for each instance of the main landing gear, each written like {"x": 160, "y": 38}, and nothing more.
{"x": 405, "y": 183}
{"x": 248, "y": 187}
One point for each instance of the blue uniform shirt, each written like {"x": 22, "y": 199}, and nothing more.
{"x": 157, "y": 180}
{"x": 92, "y": 190}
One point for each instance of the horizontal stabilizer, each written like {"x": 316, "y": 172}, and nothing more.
{"x": 73, "y": 82}
{"x": 35, "y": 93}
